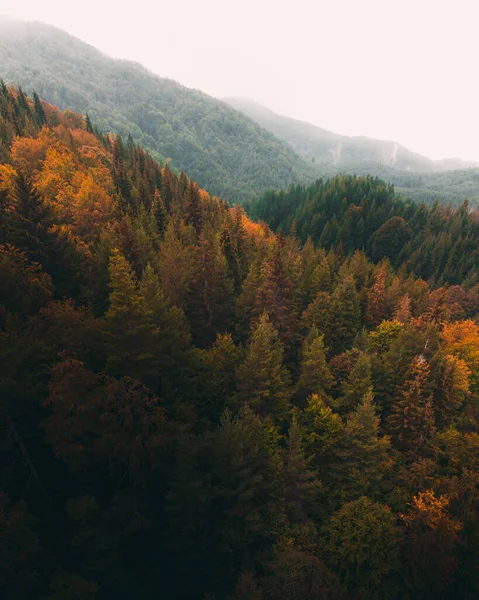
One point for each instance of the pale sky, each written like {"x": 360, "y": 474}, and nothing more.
{"x": 404, "y": 70}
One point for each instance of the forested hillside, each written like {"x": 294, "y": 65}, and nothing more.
{"x": 225, "y": 151}
{"x": 435, "y": 242}
{"x": 415, "y": 176}
{"x": 194, "y": 407}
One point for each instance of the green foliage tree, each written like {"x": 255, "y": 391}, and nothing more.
{"x": 362, "y": 543}
{"x": 263, "y": 380}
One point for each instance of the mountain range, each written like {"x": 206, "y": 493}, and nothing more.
{"x": 235, "y": 148}
{"x": 335, "y": 151}
{"x": 222, "y": 149}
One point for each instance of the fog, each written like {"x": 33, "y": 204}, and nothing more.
{"x": 402, "y": 70}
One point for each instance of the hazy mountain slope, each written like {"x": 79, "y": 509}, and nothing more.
{"x": 221, "y": 148}
{"x": 331, "y": 149}
{"x": 415, "y": 176}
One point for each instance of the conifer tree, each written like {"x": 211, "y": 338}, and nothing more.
{"x": 209, "y": 304}
{"x": 194, "y": 207}
{"x": 315, "y": 377}
{"x": 217, "y": 378}
{"x": 173, "y": 341}
{"x": 130, "y": 332}
{"x": 275, "y": 296}
{"x": 411, "y": 420}
{"x": 323, "y": 430}
{"x": 263, "y": 381}
{"x": 363, "y": 453}
{"x": 88, "y": 124}
{"x": 344, "y": 317}
{"x": 176, "y": 265}
{"x": 302, "y": 488}
{"x": 39, "y": 112}
{"x": 356, "y": 386}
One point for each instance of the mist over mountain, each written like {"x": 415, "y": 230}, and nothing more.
{"x": 225, "y": 151}
{"x": 332, "y": 150}
{"x": 235, "y": 149}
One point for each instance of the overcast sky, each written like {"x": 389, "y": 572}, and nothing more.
{"x": 405, "y": 70}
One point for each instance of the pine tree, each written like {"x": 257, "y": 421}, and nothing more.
{"x": 411, "y": 420}
{"x": 263, "y": 381}
{"x": 88, "y": 124}
{"x": 344, "y": 317}
{"x": 315, "y": 377}
{"x": 323, "y": 430}
{"x": 39, "y": 112}
{"x": 194, "y": 208}
{"x": 356, "y": 386}
{"x": 376, "y": 298}
{"x": 130, "y": 332}
{"x": 209, "y": 305}
{"x": 217, "y": 378}
{"x": 432, "y": 543}
{"x": 275, "y": 296}
{"x": 363, "y": 454}
{"x": 302, "y": 488}
{"x": 173, "y": 341}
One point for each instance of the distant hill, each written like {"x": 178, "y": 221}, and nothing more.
{"x": 416, "y": 176}
{"x": 222, "y": 149}
{"x": 334, "y": 150}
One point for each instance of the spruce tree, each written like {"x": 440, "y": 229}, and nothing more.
{"x": 344, "y": 317}
{"x": 363, "y": 456}
{"x": 356, "y": 386}
{"x": 130, "y": 332}
{"x": 264, "y": 382}
{"x": 411, "y": 420}
{"x": 315, "y": 377}
{"x": 39, "y": 112}
{"x": 302, "y": 488}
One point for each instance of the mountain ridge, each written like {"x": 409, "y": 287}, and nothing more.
{"x": 303, "y": 136}
{"x": 228, "y": 153}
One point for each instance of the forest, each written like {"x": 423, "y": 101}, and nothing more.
{"x": 235, "y": 154}
{"x": 437, "y": 243}
{"x": 221, "y": 148}
{"x": 200, "y": 404}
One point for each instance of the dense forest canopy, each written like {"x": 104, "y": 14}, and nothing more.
{"x": 195, "y": 407}
{"x": 222, "y": 149}
{"x": 438, "y": 243}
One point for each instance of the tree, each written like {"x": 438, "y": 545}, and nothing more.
{"x": 38, "y": 108}
{"x": 97, "y": 420}
{"x": 323, "y": 430}
{"x": 263, "y": 381}
{"x": 315, "y": 377}
{"x": 301, "y": 484}
{"x": 432, "y": 542}
{"x": 20, "y": 550}
{"x": 247, "y": 588}
{"x": 225, "y": 502}
{"x": 389, "y": 239}
{"x": 344, "y": 317}
{"x": 217, "y": 381}
{"x": 357, "y": 385}
{"x": 172, "y": 341}
{"x": 362, "y": 544}
{"x": 297, "y": 574}
{"x": 275, "y": 297}
{"x": 130, "y": 332}
{"x": 88, "y": 124}
{"x": 363, "y": 454}
{"x": 411, "y": 420}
